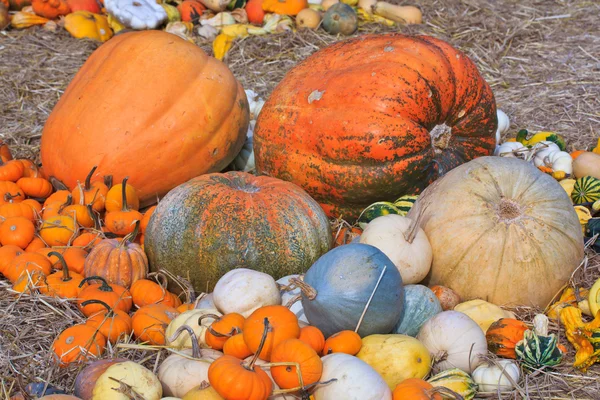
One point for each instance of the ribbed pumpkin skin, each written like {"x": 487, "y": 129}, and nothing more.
{"x": 117, "y": 262}
{"x": 150, "y": 106}
{"x": 218, "y": 222}
{"x": 351, "y": 124}
{"x": 344, "y": 279}
{"x": 420, "y": 304}
{"x": 501, "y": 230}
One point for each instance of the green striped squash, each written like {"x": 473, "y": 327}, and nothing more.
{"x": 536, "y": 351}
{"x": 405, "y": 203}
{"x": 375, "y": 210}
{"x": 586, "y": 190}
{"x": 456, "y": 380}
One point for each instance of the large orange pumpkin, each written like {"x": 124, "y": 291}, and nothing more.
{"x": 159, "y": 132}
{"x": 374, "y": 118}
{"x": 218, "y": 222}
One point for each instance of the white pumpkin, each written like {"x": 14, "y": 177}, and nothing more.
{"x": 356, "y": 380}
{"x": 503, "y": 123}
{"x": 497, "y": 377}
{"x": 191, "y": 318}
{"x": 483, "y": 313}
{"x": 409, "y": 250}
{"x": 542, "y": 150}
{"x": 287, "y": 295}
{"x": 181, "y": 372}
{"x": 205, "y": 302}
{"x": 454, "y": 341}
{"x": 141, "y": 380}
{"x": 511, "y": 149}
{"x": 244, "y": 290}
{"x": 560, "y": 161}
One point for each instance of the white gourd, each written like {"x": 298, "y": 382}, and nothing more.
{"x": 244, "y": 290}
{"x": 503, "y": 124}
{"x": 493, "y": 377}
{"x": 356, "y": 380}
{"x": 542, "y": 150}
{"x": 191, "y": 318}
{"x": 137, "y": 14}
{"x": 454, "y": 340}
{"x": 511, "y": 149}
{"x": 560, "y": 161}
{"x": 409, "y": 250}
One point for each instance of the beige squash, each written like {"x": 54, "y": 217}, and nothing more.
{"x": 501, "y": 230}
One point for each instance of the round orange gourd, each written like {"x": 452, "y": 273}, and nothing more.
{"x": 27, "y": 262}
{"x": 150, "y": 322}
{"x": 58, "y": 231}
{"x": 122, "y": 221}
{"x": 39, "y": 188}
{"x": 7, "y": 255}
{"x": 10, "y": 193}
{"x": 88, "y": 240}
{"x": 503, "y": 335}
{"x": 415, "y": 389}
{"x": 11, "y": 170}
{"x": 283, "y": 325}
{"x": 94, "y": 193}
{"x": 145, "y": 128}
{"x": 236, "y": 346}
{"x": 312, "y": 336}
{"x": 30, "y": 170}
{"x": 35, "y": 245}
{"x": 295, "y": 351}
{"x": 348, "y": 342}
{"x": 146, "y": 291}
{"x": 374, "y": 118}
{"x": 17, "y": 231}
{"x": 21, "y": 209}
{"x": 35, "y": 205}
{"x": 62, "y": 283}
{"x": 59, "y": 196}
{"x": 222, "y": 329}
{"x": 111, "y": 323}
{"x": 77, "y": 344}
{"x": 51, "y": 9}
{"x": 117, "y": 297}
{"x": 233, "y": 378}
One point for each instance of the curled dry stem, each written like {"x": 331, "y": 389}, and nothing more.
{"x": 305, "y": 288}
{"x": 192, "y": 334}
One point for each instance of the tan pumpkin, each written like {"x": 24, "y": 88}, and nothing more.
{"x": 501, "y": 230}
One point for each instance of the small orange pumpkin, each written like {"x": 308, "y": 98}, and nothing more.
{"x": 236, "y": 347}
{"x": 35, "y": 244}
{"x": 415, "y": 389}
{"x": 88, "y": 240}
{"x": 114, "y": 198}
{"x": 10, "y": 192}
{"x": 18, "y": 231}
{"x": 284, "y": 7}
{"x": 111, "y": 323}
{"x": 150, "y": 322}
{"x": 39, "y": 188}
{"x": 11, "y": 170}
{"x": 77, "y": 344}
{"x": 283, "y": 325}
{"x": 30, "y": 170}
{"x": 55, "y": 208}
{"x": 146, "y": 291}
{"x": 37, "y": 207}
{"x": 122, "y": 222}
{"x": 5, "y": 153}
{"x": 50, "y": 9}
{"x": 29, "y": 281}
{"x": 117, "y": 297}
{"x": 295, "y": 351}
{"x": 59, "y": 230}
{"x": 82, "y": 214}
{"x": 94, "y": 193}
{"x": 313, "y": 336}
{"x": 222, "y": 329}
{"x": 191, "y": 10}
{"x": 448, "y": 298}
{"x": 22, "y": 209}
{"x": 62, "y": 283}
{"x": 27, "y": 262}
{"x": 60, "y": 196}
{"x": 348, "y": 342}
{"x": 7, "y": 255}
{"x": 146, "y": 218}
{"x": 255, "y": 12}
{"x": 503, "y": 335}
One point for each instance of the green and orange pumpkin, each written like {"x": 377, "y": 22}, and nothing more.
{"x": 218, "y": 222}
{"x": 159, "y": 132}
{"x": 374, "y": 118}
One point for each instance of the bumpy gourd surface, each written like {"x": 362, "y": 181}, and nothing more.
{"x": 503, "y": 231}
{"x": 353, "y": 123}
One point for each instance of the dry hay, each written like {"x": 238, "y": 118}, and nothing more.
{"x": 542, "y": 58}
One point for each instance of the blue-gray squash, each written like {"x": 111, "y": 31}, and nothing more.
{"x": 420, "y": 304}
{"x": 340, "y": 284}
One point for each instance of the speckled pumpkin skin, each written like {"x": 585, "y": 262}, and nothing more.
{"x": 218, "y": 222}
{"x": 353, "y": 123}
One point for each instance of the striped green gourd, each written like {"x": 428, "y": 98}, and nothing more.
{"x": 456, "y": 380}
{"x": 405, "y": 203}
{"x": 537, "y": 351}
{"x": 375, "y": 210}
{"x": 586, "y": 190}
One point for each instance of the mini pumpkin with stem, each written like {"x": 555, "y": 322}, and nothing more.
{"x": 116, "y": 296}
{"x": 115, "y": 198}
{"x": 78, "y": 343}
{"x": 10, "y": 193}
{"x": 17, "y": 231}
{"x": 150, "y": 323}
{"x": 236, "y": 347}
{"x": 60, "y": 196}
{"x": 123, "y": 222}
{"x": 7, "y": 255}
{"x": 80, "y": 212}
{"x": 146, "y": 291}
{"x": 295, "y": 351}
{"x": 59, "y": 230}
{"x": 30, "y": 170}
{"x": 11, "y": 170}
{"x": 62, "y": 283}
{"x": 27, "y": 262}
{"x": 38, "y": 188}
{"x": 112, "y": 323}
{"x": 92, "y": 193}
{"x": 283, "y": 323}
{"x": 55, "y": 208}
{"x": 222, "y": 329}
{"x": 121, "y": 262}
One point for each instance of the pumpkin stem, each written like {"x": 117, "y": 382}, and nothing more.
{"x": 293, "y": 301}
{"x": 110, "y": 313}
{"x": 127, "y": 390}
{"x": 65, "y": 204}
{"x": 234, "y": 331}
{"x": 108, "y": 181}
{"x": 9, "y": 197}
{"x": 307, "y": 290}
{"x": 213, "y": 316}
{"x": 124, "y": 207}
{"x": 95, "y": 218}
{"x": 370, "y": 298}
{"x": 65, "y": 269}
{"x": 57, "y": 185}
{"x": 190, "y": 331}
{"x": 289, "y": 364}
{"x": 260, "y": 346}
{"x": 415, "y": 223}
{"x": 204, "y": 385}
{"x": 81, "y": 194}
{"x": 105, "y": 287}
{"x": 131, "y": 237}
{"x": 88, "y": 178}
{"x": 199, "y": 298}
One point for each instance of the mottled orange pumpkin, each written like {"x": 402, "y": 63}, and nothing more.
{"x": 191, "y": 10}
{"x": 503, "y": 335}
{"x": 143, "y": 127}
{"x": 374, "y": 118}
{"x": 51, "y": 8}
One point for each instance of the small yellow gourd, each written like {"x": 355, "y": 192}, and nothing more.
{"x": 568, "y": 185}
{"x": 584, "y": 216}
{"x": 85, "y": 24}
{"x": 308, "y": 18}
{"x": 404, "y": 14}
{"x": 126, "y": 380}
{"x": 483, "y": 313}
{"x": 23, "y": 20}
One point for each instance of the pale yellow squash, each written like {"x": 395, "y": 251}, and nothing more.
{"x": 483, "y": 313}
{"x": 123, "y": 375}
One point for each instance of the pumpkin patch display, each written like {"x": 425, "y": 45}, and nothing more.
{"x": 388, "y": 148}
{"x": 512, "y": 249}
{"x": 218, "y": 222}
{"x": 151, "y": 122}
